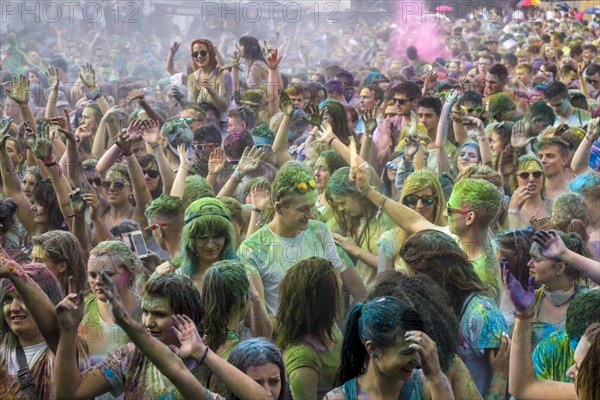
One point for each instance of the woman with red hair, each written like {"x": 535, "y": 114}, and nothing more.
{"x": 209, "y": 83}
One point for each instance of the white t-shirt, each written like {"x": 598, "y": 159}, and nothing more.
{"x": 32, "y": 353}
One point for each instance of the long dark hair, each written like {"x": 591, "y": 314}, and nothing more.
{"x": 379, "y": 322}
{"x": 44, "y": 194}
{"x": 252, "y": 49}
{"x": 438, "y": 256}
{"x": 309, "y": 299}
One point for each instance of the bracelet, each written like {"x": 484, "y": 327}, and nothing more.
{"x": 380, "y": 206}
{"x": 155, "y": 146}
{"x": 518, "y": 315}
{"x": 238, "y": 175}
{"x": 363, "y": 193}
{"x": 128, "y": 154}
{"x": 514, "y": 211}
{"x": 52, "y": 164}
{"x": 49, "y": 162}
{"x": 331, "y": 141}
{"x": 482, "y": 138}
{"x": 203, "y": 357}
{"x": 258, "y": 210}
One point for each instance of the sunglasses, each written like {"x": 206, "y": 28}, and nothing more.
{"x": 95, "y": 181}
{"x": 304, "y": 187}
{"x": 189, "y": 120}
{"x": 471, "y": 110}
{"x": 205, "y": 146}
{"x": 450, "y": 210}
{"x": 118, "y": 184}
{"x": 391, "y": 165}
{"x": 199, "y": 54}
{"x": 152, "y": 173}
{"x": 526, "y": 175}
{"x": 401, "y": 102}
{"x": 153, "y": 227}
{"x": 413, "y": 199}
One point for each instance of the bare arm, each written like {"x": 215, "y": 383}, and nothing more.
{"x": 275, "y": 82}
{"x": 579, "y": 164}
{"x": 170, "y": 63}
{"x": 354, "y": 284}
{"x": 108, "y": 159}
{"x": 384, "y": 263}
{"x": 260, "y": 324}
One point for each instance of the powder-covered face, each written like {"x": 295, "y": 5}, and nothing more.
{"x": 18, "y": 318}
{"x": 268, "y": 376}
{"x": 467, "y": 156}
{"x": 28, "y": 184}
{"x": 322, "y": 174}
{"x": 157, "y": 319}
{"x": 210, "y": 249}
{"x": 350, "y": 205}
{"x": 297, "y": 210}
{"x": 398, "y": 360}
{"x": 120, "y": 275}
{"x": 528, "y": 175}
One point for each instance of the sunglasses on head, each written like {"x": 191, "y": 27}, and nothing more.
{"x": 391, "y": 165}
{"x": 153, "y": 227}
{"x": 471, "y": 110}
{"x": 304, "y": 187}
{"x": 450, "y": 210}
{"x": 152, "y": 173}
{"x": 199, "y": 54}
{"x": 413, "y": 199}
{"x": 526, "y": 175}
{"x": 118, "y": 184}
{"x": 401, "y": 102}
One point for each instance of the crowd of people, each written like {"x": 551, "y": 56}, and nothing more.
{"x": 307, "y": 214}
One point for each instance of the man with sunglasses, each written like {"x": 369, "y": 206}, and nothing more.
{"x": 193, "y": 116}
{"x": 591, "y": 76}
{"x": 471, "y": 209}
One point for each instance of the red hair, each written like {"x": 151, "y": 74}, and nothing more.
{"x": 211, "y": 53}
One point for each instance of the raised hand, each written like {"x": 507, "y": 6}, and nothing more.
{"x": 427, "y": 350}
{"x": 184, "y": 160}
{"x": 88, "y": 76}
{"x": 135, "y": 95}
{"x": 64, "y": 126}
{"x": 430, "y": 80}
{"x": 524, "y": 300}
{"x": 286, "y": 104}
{"x": 315, "y": 117}
{"x": 5, "y": 124}
{"x": 235, "y": 59}
{"x": 190, "y": 342}
{"x": 136, "y": 128}
{"x": 369, "y": 119}
{"x": 52, "y": 75}
{"x": 474, "y": 121}
{"x": 326, "y": 132}
{"x": 43, "y": 144}
{"x": 273, "y": 60}
{"x": 593, "y": 130}
{"x": 150, "y": 131}
{"x": 250, "y": 160}
{"x": 76, "y": 199}
{"x": 453, "y": 96}
{"x": 412, "y": 146}
{"x": 115, "y": 304}
{"x": 92, "y": 202}
{"x": 550, "y": 244}
{"x": 360, "y": 177}
{"x": 260, "y": 196}
{"x": 70, "y": 310}
{"x": 83, "y": 131}
{"x": 507, "y": 163}
{"x": 20, "y": 90}
{"x": 174, "y": 48}
{"x": 520, "y": 133}
{"x": 216, "y": 161}
{"x": 123, "y": 140}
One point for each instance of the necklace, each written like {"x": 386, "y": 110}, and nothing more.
{"x": 529, "y": 212}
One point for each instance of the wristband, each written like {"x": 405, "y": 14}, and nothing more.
{"x": 128, "y": 154}
{"x": 95, "y": 95}
{"x": 238, "y": 175}
{"x": 154, "y": 146}
{"x": 49, "y": 162}
{"x": 520, "y": 316}
{"x": 331, "y": 141}
{"x": 204, "y": 356}
{"x": 514, "y": 211}
{"x": 367, "y": 190}
{"x": 257, "y": 210}
{"x": 52, "y": 164}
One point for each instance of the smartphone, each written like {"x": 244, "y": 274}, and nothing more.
{"x": 467, "y": 122}
{"x": 135, "y": 240}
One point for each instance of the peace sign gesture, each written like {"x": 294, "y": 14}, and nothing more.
{"x": 70, "y": 310}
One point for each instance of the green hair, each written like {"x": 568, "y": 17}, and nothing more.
{"x": 263, "y": 131}
{"x": 204, "y": 218}
{"x": 339, "y": 185}
{"x": 481, "y": 196}
{"x": 583, "y": 311}
{"x": 196, "y": 187}
{"x": 224, "y": 287}
{"x": 164, "y": 205}
{"x": 291, "y": 174}
{"x": 333, "y": 160}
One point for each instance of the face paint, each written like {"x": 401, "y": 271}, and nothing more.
{"x": 157, "y": 319}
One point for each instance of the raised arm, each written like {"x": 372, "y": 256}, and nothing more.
{"x": 523, "y": 382}
{"x": 20, "y": 94}
{"x": 369, "y": 119}
{"x": 170, "y": 63}
{"x": 403, "y": 216}
{"x": 151, "y": 135}
{"x": 280, "y": 143}
{"x": 37, "y": 302}
{"x": 249, "y": 162}
{"x": 11, "y": 185}
{"x": 275, "y": 81}
{"x": 52, "y": 75}
{"x": 441, "y": 137}
{"x": 579, "y": 164}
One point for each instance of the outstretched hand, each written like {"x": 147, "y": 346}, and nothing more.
{"x": 250, "y": 160}
{"x": 191, "y": 345}
{"x": 43, "y": 144}
{"x": 115, "y": 304}
{"x": 70, "y": 310}
{"x": 550, "y": 244}
{"x": 523, "y": 300}
{"x": 5, "y": 124}
{"x": 369, "y": 119}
